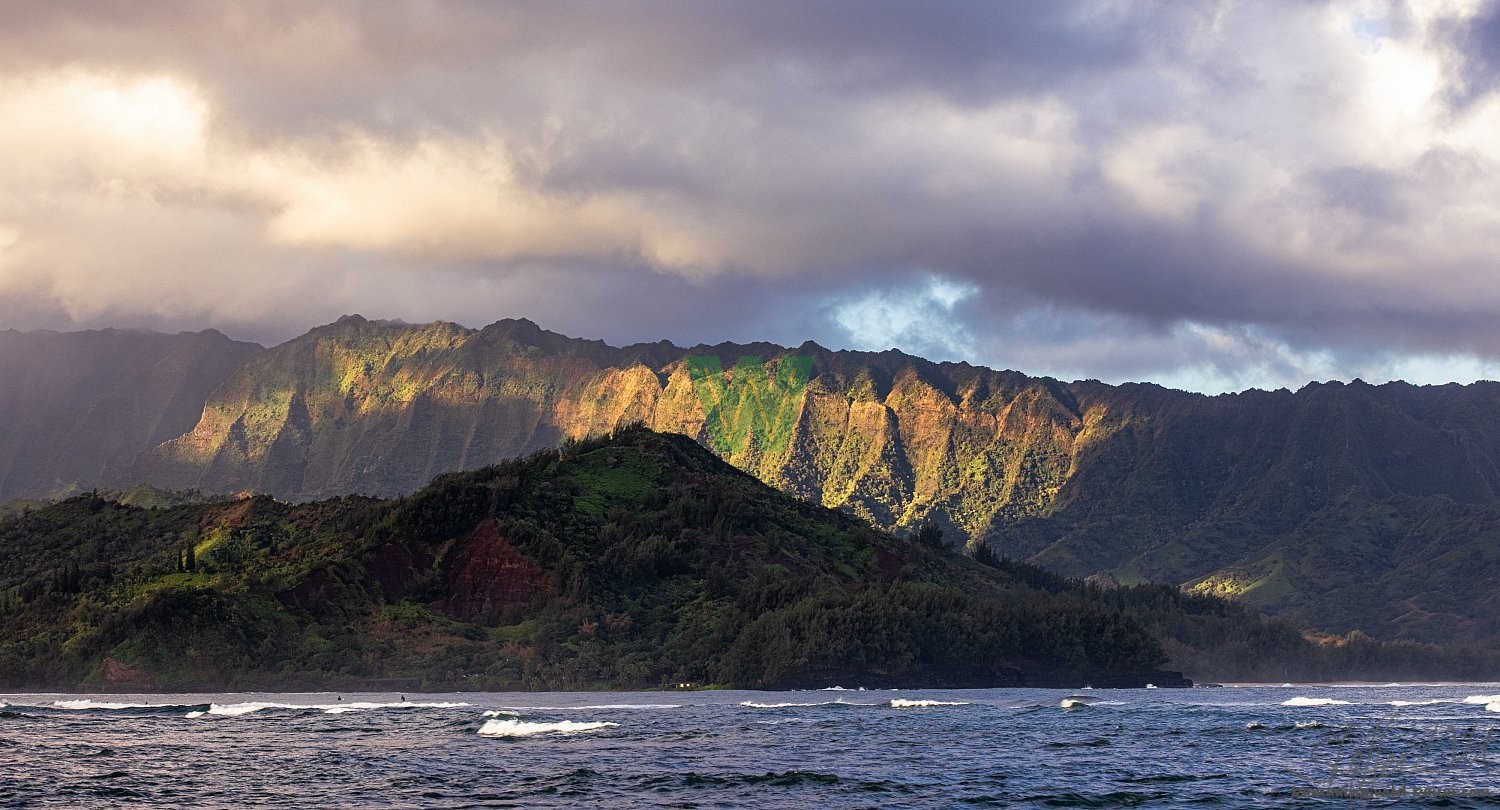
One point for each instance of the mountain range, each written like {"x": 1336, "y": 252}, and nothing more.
{"x": 1338, "y": 506}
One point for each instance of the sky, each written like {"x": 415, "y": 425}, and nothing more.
{"x": 1209, "y": 195}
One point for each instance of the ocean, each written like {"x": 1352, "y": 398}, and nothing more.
{"x": 1237, "y": 746}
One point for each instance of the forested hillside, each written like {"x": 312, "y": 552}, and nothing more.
{"x": 1342, "y": 507}
{"x": 636, "y": 561}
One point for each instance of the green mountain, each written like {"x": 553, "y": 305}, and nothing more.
{"x": 638, "y": 560}
{"x": 1339, "y": 507}
{"x": 78, "y": 407}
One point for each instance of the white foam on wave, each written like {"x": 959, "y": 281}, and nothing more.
{"x": 1309, "y": 724}
{"x": 1492, "y": 707}
{"x": 840, "y": 702}
{"x": 1314, "y": 701}
{"x": 1483, "y": 700}
{"x": 614, "y": 706}
{"x": 88, "y": 705}
{"x": 900, "y": 703}
{"x": 1074, "y": 703}
{"x": 242, "y": 709}
{"x": 515, "y": 727}
{"x": 1432, "y": 702}
{"x": 1255, "y": 725}
{"x": 834, "y": 689}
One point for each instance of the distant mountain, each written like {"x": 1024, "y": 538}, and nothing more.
{"x": 1341, "y": 507}
{"x": 78, "y": 406}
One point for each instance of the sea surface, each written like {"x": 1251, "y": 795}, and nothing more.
{"x": 1252, "y": 746}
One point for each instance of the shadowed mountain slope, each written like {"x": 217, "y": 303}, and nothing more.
{"x": 78, "y": 406}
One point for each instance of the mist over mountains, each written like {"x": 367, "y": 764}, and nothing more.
{"x": 1337, "y": 506}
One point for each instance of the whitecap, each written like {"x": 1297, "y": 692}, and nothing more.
{"x": 626, "y": 706}
{"x": 1255, "y": 725}
{"x": 1074, "y": 703}
{"x": 1309, "y": 724}
{"x": 1492, "y": 707}
{"x": 499, "y": 713}
{"x": 834, "y": 689}
{"x": 1312, "y": 701}
{"x": 88, "y": 705}
{"x": 514, "y": 727}
{"x": 899, "y": 703}
{"x": 1482, "y": 700}
{"x": 753, "y": 705}
{"x": 241, "y": 709}
{"x": 1432, "y": 702}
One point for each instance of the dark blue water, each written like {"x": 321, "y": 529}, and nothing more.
{"x": 1301, "y": 746}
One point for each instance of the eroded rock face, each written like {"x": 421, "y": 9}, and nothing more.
{"x": 1257, "y": 495}
{"x": 380, "y": 408}
{"x": 487, "y": 575}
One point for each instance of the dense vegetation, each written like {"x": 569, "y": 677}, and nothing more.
{"x": 1342, "y": 507}
{"x": 635, "y": 561}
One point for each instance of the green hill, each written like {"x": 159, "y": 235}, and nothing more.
{"x": 636, "y": 561}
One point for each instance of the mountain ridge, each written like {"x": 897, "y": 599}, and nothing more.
{"x": 1324, "y": 505}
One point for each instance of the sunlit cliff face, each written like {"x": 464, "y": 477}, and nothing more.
{"x": 1216, "y": 196}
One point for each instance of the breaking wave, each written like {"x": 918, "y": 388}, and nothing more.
{"x": 606, "y": 706}
{"x": 241, "y": 709}
{"x": 515, "y": 727}
{"x": 1314, "y": 701}
{"x": 100, "y": 705}
{"x": 1483, "y": 700}
{"x": 900, "y": 703}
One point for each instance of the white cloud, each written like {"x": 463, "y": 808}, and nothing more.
{"x": 919, "y": 318}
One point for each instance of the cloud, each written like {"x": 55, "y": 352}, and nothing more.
{"x": 1232, "y": 194}
{"x": 919, "y": 317}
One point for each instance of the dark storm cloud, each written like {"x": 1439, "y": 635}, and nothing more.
{"x": 1074, "y": 187}
{"x": 1474, "y": 55}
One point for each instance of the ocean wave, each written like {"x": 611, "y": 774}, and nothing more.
{"x": 1483, "y": 700}
{"x": 1492, "y": 707}
{"x": 122, "y": 708}
{"x": 515, "y": 727}
{"x": 1314, "y": 701}
{"x": 1308, "y": 724}
{"x": 750, "y": 704}
{"x": 900, "y": 703}
{"x": 100, "y": 705}
{"x": 1432, "y": 702}
{"x": 1074, "y": 703}
{"x": 241, "y": 709}
{"x": 605, "y": 706}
